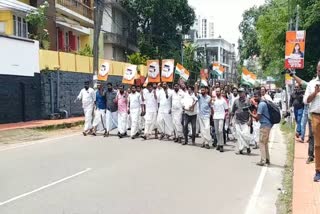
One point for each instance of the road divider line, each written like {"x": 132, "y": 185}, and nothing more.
{"x": 44, "y": 187}
{"x": 30, "y": 143}
{"x": 251, "y": 206}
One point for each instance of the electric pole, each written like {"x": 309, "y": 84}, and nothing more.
{"x": 97, "y": 21}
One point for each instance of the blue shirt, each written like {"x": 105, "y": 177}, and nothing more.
{"x": 204, "y": 106}
{"x": 100, "y": 101}
{"x": 263, "y": 111}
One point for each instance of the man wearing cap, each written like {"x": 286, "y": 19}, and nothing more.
{"x": 100, "y": 110}
{"x": 88, "y": 97}
{"x": 240, "y": 110}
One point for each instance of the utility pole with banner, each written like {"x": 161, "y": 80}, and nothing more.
{"x": 98, "y": 15}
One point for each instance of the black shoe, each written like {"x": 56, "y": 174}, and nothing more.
{"x": 207, "y": 146}
{"x": 218, "y": 148}
{"x": 143, "y": 137}
{"x": 179, "y": 140}
{"x": 161, "y": 137}
{"x": 248, "y": 151}
{"x": 203, "y": 145}
{"x": 84, "y": 133}
{"x": 221, "y": 149}
{"x": 175, "y": 140}
{"x": 133, "y": 137}
{"x": 214, "y": 145}
{"x": 239, "y": 153}
{"x": 268, "y": 162}
{"x": 120, "y": 136}
{"x": 310, "y": 160}
{"x": 137, "y": 135}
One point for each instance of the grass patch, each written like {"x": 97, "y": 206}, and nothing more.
{"x": 59, "y": 126}
{"x": 284, "y": 202}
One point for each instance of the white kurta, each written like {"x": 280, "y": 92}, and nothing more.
{"x": 177, "y": 112}
{"x": 151, "y": 105}
{"x": 88, "y": 98}
{"x": 164, "y": 119}
{"x": 135, "y": 111}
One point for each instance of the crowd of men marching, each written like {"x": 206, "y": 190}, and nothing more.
{"x": 181, "y": 113}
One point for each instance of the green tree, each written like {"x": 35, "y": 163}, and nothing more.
{"x": 158, "y": 23}
{"x": 137, "y": 59}
{"x": 37, "y": 20}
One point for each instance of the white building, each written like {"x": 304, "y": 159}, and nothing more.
{"x": 205, "y": 27}
{"x": 117, "y": 27}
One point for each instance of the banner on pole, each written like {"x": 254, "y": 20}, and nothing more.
{"x": 129, "y": 74}
{"x": 167, "y": 70}
{"x": 153, "y": 70}
{"x": 295, "y": 49}
{"x": 104, "y": 71}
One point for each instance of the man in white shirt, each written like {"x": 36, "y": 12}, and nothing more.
{"x": 189, "y": 106}
{"x": 164, "y": 119}
{"x": 150, "y": 109}
{"x": 177, "y": 112}
{"x": 220, "y": 108}
{"x": 312, "y": 97}
{"x": 88, "y": 97}
{"x": 134, "y": 111}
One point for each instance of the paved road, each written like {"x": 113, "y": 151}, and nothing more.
{"x": 95, "y": 175}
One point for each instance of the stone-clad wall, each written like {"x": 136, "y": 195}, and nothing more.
{"x": 20, "y": 98}
{"x": 70, "y": 85}
{"x": 24, "y": 98}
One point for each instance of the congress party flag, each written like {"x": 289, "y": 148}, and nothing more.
{"x": 182, "y": 72}
{"x": 248, "y": 77}
{"x": 153, "y": 70}
{"x": 104, "y": 71}
{"x": 218, "y": 69}
{"x": 129, "y": 74}
{"x": 167, "y": 70}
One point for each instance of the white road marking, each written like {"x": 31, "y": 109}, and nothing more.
{"x": 43, "y": 187}
{"x": 251, "y": 207}
{"x": 30, "y": 143}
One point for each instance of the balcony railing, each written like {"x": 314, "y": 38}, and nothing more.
{"x": 77, "y": 6}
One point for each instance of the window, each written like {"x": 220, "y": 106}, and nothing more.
{"x": 20, "y": 27}
{"x": 114, "y": 54}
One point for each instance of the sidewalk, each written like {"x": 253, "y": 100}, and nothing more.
{"x": 306, "y": 193}
{"x": 40, "y": 123}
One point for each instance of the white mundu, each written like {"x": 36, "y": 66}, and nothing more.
{"x": 135, "y": 110}
{"x": 151, "y": 105}
{"x": 88, "y": 98}
{"x": 177, "y": 112}
{"x": 164, "y": 117}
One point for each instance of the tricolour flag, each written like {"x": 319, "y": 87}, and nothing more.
{"x": 248, "y": 77}
{"x": 218, "y": 69}
{"x": 182, "y": 72}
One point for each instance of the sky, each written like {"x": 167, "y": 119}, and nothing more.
{"x": 227, "y": 15}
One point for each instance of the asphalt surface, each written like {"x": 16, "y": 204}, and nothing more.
{"x": 96, "y": 175}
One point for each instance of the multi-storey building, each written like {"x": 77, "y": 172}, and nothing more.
{"x": 205, "y": 27}
{"x": 120, "y": 38}
{"x": 69, "y": 22}
{"x": 13, "y": 18}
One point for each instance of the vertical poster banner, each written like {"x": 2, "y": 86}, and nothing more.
{"x": 104, "y": 71}
{"x": 167, "y": 70}
{"x": 295, "y": 49}
{"x": 288, "y": 79}
{"x": 153, "y": 70}
{"x": 129, "y": 74}
{"x": 204, "y": 75}
{"x": 182, "y": 72}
